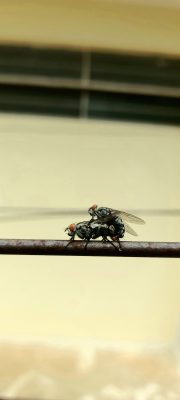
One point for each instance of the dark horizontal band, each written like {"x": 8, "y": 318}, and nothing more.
{"x": 90, "y": 84}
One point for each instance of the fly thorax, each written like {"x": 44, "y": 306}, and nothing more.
{"x": 83, "y": 230}
{"x": 103, "y": 212}
{"x": 95, "y": 229}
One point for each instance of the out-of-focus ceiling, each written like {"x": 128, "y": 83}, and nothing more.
{"x": 162, "y": 3}
{"x": 100, "y": 24}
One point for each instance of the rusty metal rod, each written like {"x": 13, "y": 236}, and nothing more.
{"x": 94, "y": 248}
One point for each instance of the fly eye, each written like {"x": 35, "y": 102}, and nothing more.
{"x": 94, "y": 206}
{"x": 72, "y": 227}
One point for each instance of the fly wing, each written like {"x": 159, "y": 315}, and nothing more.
{"x": 124, "y": 215}
{"x": 129, "y": 229}
{"x": 131, "y": 218}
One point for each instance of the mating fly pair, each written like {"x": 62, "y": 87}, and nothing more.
{"x": 105, "y": 223}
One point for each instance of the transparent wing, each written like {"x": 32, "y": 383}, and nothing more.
{"x": 130, "y": 218}
{"x": 129, "y": 229}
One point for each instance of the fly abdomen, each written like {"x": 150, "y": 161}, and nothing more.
{"x": 119, "y": 227}
{"x": 104, "y": 231}
{"x": 99, "y": 230}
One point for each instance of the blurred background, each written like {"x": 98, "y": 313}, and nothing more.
{"x": 89, "y": 113}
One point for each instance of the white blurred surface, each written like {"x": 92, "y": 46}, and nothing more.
{"x": 92, "y": 372}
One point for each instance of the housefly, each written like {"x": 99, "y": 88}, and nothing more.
{"x": 110, "y": 216}
{"x": 105, "y": 223}
{"x": 95, "y": 229}
{"x": 88, "y": 230}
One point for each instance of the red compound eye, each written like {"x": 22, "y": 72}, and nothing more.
{"x": 72, "y": 227}
{"x": 94, "y": 207}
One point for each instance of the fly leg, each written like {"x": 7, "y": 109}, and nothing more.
{"x": 70, "y": 241}
{"x": 91, "y": 220}
{"x": 105, "y": 239}
{"x": 86, "y": 244}
{"x": 119, "y": 245}
{"x": 88, "y": 238}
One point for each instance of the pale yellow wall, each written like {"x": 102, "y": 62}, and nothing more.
{"x": 143, "y": 26}
{"x": 54, "y": 162}
{"x": 51, "y": 162}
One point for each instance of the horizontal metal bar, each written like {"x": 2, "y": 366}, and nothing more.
{"x": 94, "y": 248}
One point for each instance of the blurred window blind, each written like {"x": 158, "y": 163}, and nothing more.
{"x": 90, "y": 84}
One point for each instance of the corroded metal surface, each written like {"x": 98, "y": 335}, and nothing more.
{"x": 94, "y": 248}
